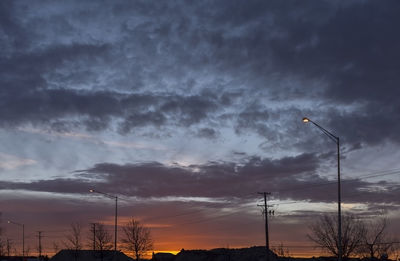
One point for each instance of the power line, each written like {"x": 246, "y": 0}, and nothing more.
{"x": 343, "y": 181}
{"x": 176, "y": 215}
{"x": 211, "y": 218}
{"x": 371, "y": 175}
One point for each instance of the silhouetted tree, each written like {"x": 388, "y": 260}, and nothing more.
{"x": 281, "y": 251}
{"x": 137, "y": 238}
{"x": 2, "y": 247}
{"x": 56, "y": 247}
{"x": 27, "y": 250}
{"x": 376, "y": 241}
{"x": 2, "y": 243}
{"x": 103, "y": 238}
{"x": 324, "y": 234}
{"x": 9, "y": 246}
{"x": 74, "y": 239}
{"x": 91, "y": 239}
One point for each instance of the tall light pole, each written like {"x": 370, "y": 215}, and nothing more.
{"x": 23, "y": 236}
{"x": 116, "y": 213}
{"x": 336, "y": 140}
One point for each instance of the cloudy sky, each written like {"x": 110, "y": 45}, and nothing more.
{"x": 186, "y": 109}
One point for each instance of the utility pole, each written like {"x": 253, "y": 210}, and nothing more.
{"x": 265, "y": 212}
{"x": 115, "y": 226}
{"x": 94, "y": 235}
{"x": 40, "y": 243}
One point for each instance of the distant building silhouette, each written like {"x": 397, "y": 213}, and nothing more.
{"x": 90, "y": 255}
{"x": 220, "y": 254}
{"x": 163, "y": 257}
{"x": 20, "y": 258}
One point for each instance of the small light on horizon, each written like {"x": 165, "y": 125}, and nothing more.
{"x": 92, "y": 190}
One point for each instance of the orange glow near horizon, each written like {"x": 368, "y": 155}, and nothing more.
{"x": 176, "y": 251}
{"x": 171, "y": 237}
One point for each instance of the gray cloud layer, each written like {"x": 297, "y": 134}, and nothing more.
{"x": 292, "y": 178}
{"x": 153, "y": 72}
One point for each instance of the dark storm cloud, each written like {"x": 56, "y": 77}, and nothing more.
{"x": 360, "y": 61}
{"x": 215, "y": 179}
{"x": 354, "y": 51}
{"x": 28, "y": 94}
{"x": 292, "y": 178}
{"x": 326, "y": 53}
{"x": 350, "y": 49}
{"x": 97, "y": 109}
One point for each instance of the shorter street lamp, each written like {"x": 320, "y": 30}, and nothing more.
{"x": 116, "y": 213}
{"x": 23, "y": 236}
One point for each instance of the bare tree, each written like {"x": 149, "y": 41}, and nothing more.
{"x": 324, "y": 234}
{"x": 2, "y": 247}
{"x": 137, "y": 238}
{"x": 2, "y": 243}
{"x": 103, "y": 238}
{"x": 74, "y": 239}
{"x": 56, "y": 247}
{"x": 376, "y": 241}
{"x": 281, "y": 251}
{"x": 91, "y": 237}
{"x": 27, "y": 251}
{"x": 9, "y": 246}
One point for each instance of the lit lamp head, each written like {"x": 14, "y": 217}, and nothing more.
{"x": 9, "y": 222}
{"x": 91, "y": 191}
{"x": 305, "y": 120}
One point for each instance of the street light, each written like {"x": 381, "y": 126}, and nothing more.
{"x": 336, "y": 140}
{"x": 23, "y": 236}
{"x": 116, "y": 213}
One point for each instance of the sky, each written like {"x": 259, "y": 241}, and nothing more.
{"x": 186, "y": 110}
